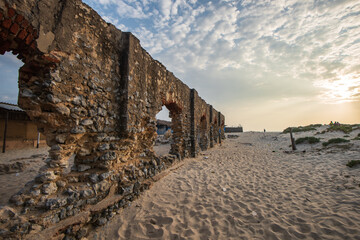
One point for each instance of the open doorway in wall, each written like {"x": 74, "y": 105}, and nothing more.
{"x": 23, "y": 148}
{"x": 164, "y": 132}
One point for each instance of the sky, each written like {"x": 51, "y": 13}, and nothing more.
{"x": 265, "y": 64}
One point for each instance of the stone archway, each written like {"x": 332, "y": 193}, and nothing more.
{"x": 37, "y": 78}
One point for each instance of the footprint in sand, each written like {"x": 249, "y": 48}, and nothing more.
{"x": 160, "y": 221}
{"x": 153, "y": 232}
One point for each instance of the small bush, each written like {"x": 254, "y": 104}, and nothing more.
{"x": 345, "y": 128}
{"x": 335, "y": 140}
{"x": 302, "y": 128}
{"x": 353, "y": 163}
{"x": 310, "y": 140}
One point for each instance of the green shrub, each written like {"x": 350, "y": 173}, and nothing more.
{"x": 353, "y": 163}
{"x": 310, "y": 140}
{"x": 345, "y": 128}
{"x": 335, "y": 140}
{"x": 302, "y": 128}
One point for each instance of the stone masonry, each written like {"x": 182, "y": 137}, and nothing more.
{"x": 94, "y": 92}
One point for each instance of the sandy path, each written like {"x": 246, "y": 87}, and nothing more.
{"x": 248, "y": 189}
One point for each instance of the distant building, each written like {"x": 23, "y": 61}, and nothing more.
{"x": 21, "y": 132}
{"x": 162, "y": 126}
{"x": 233, "y": 129}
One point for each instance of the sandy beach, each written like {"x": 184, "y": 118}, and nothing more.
{"x": 251, "y": 187}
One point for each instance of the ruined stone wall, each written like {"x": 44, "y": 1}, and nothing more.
{"x": 94, "y": 92}
{"x": 202, "y": 123}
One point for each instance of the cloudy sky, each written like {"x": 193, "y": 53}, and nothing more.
{"x": 262, "y": 63}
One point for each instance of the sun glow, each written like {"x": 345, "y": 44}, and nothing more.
{"x": 345, "y": 88}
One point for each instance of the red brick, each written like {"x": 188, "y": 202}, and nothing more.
{"x": 7, "y": 23}
{"x": 29, "y": 29}
{"x": 15, "y": 28}
{"x": 1, "y": 15}
{"x": 29, "y": 39}
{"x": 19, "y": 18}
{"x": 25, "y": 23}
{"x": 22, "y": 34}
{"x": 11, "y": 12}
{"x": 33, "y": 45}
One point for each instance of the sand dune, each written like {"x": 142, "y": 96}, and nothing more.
{"x": 249, "y": 188}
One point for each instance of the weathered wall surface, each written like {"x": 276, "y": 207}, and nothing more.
{"x": 94, "y": 92}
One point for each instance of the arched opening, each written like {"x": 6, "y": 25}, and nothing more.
{"x": 164, "y": 133}
{"x": 203, "y": 135}
{"x": 173, "y": 142}
{"x": 23, "y": 147}
{"x": 35, "y": 80}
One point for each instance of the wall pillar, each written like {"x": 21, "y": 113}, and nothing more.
{"x": 219, "y": 126}
{"x": 192, "y": 124}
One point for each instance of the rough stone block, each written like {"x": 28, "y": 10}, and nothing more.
{"x": 83, "y": 168}
{"x": 49, "y": 188}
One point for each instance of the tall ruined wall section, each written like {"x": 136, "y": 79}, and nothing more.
{"x": 151, "y": 86}
{"x": 94, "y": 92}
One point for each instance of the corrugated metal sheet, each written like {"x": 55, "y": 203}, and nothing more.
{"x": 10, "y": 107}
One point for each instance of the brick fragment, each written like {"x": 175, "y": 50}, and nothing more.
{"x": 14, "y": 28}
{"x": 30, "y": 30}
{"x": 25, "y": 23}
{"x": 7, "y": 23}
{"x": 33, "y": 45}
{"x": 22, "y": 34}
{"x": 29, "y": 39}
{"x": 11, "y": 12}
{"x": 19, "y": 18}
